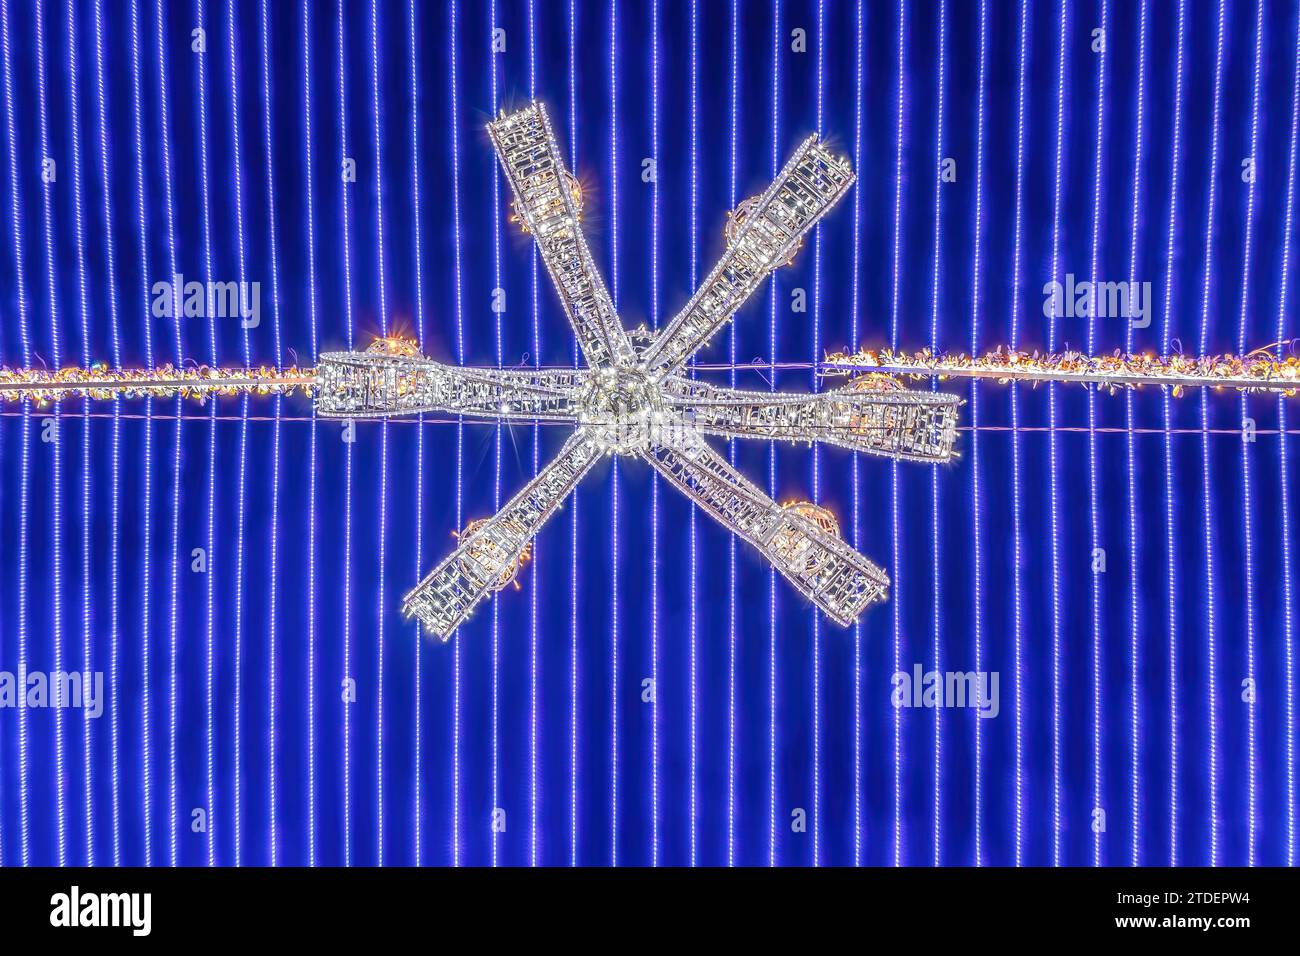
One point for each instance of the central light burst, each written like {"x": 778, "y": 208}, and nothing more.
{"x": 635, "y": 402}
{"x": 622, "y": 409}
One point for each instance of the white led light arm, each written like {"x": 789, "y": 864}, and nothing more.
{"x": 765, "y": 233}
{"x": 817, "y": 562}
{"x": 378, "y": 385}
{"x": 547, "y": 203}
{"x": 911, "y": 426}
{"x": 488, "y": 556}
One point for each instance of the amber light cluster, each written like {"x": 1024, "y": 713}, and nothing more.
{"x": 1258, "y": 371}
{"x": 482, "y": 550}
{"x": 41, "y": 386}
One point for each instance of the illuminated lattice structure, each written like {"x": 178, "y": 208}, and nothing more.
{"x": 635, "y": 402}
{"x": 41, "y": 386}
{"x": 381, "y": 382}
{"x": 1257, "y": 371}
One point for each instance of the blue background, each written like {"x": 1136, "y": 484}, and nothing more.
{"x": 1120, "y": 690}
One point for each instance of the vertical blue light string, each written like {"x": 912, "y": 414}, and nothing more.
{"x": 24, "y": 334}
{"x": 1207, "y": 525}
{"x": 977, "y": 622}
{"x": 1284, "y": 468}
{"x": 855, "y": 289}
{"x": 573, "y": 528}
{"x": 936, "y": 620}
{"x": 613, "y": 472}
{"x": 349, "y": 435}
{"x": 1247, "y": 483}
{"x": 654, "y": 479}
{"x": 771, "y": 463}
{"x": 693, "y": 569}
{"x": 272, "y": 736}
{"x": 733, "y": 96}
{"x": 115, "y": 518}
{"x": 1053, "y": 488}
{"x": 534, "y": 834}
{"x": 1017, "y": 275}
{"x": 895, "y": 290}
{"x": 56, "y": 476}
{"x": 381, "y": 283}
{"x": 454, "y": 123}
{"x": 164, "y": 97}
{"x": 496, "y": 447}
{"x": 417, "y": 816}
{"x": 240, "y": 522}
{"x": 1094, "y": 504}
{"x": 1135, "y": 743}
{"x": 210, "y": 564}
{"x": 1175, "y": 162}
{"x": 816, "y": 458}
{"x": 146, "y": 477}
{"x": 311, "y": 463}
{"x": 79, "y": 234}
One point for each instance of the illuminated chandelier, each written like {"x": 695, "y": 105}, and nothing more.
{"x": 636, "y": 402}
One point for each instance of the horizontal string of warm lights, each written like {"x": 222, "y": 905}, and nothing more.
{"x": 42, "y": 386}
{"x": 1258, "y": 371}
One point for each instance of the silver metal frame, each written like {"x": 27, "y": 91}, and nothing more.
{"x": 635, "y": 403}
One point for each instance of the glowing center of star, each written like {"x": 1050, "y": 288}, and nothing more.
{"x": 622, "y": 408}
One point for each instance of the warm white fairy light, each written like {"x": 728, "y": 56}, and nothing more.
{"x": 1260, "y": 370}
{"x": 879, "y": 370}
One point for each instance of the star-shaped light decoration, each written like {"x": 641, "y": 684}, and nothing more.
{"x": 635, "y": 401}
